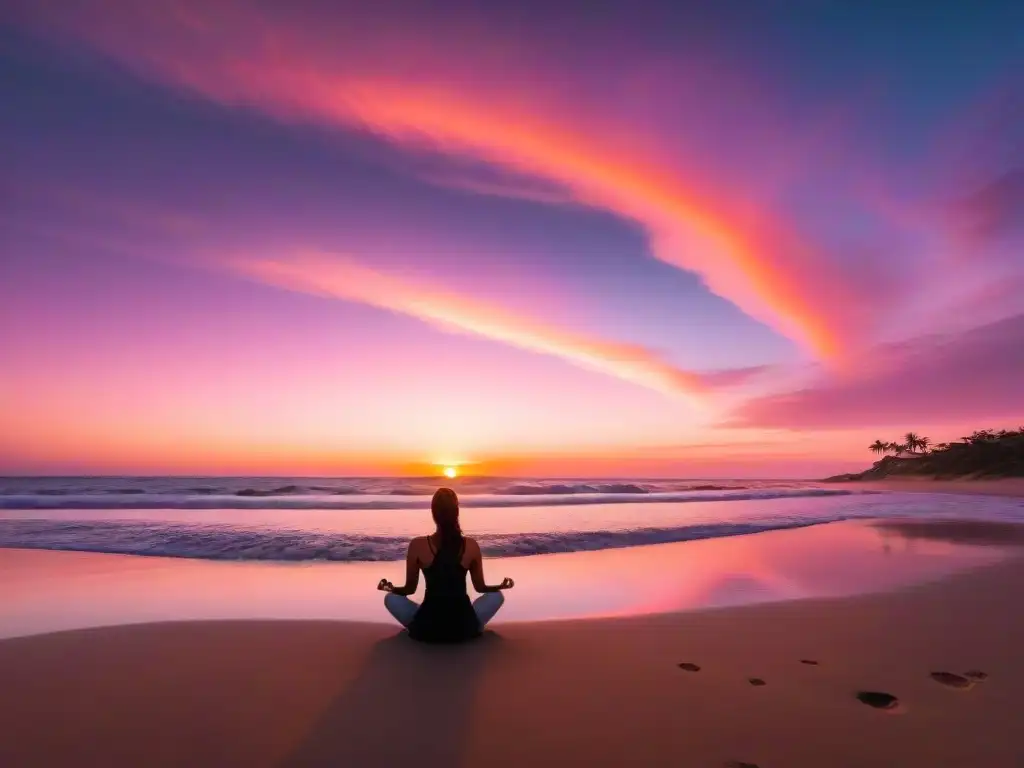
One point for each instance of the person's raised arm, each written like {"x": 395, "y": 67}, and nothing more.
{"x": 412, "y": 575}
{"x": 476, "y": 572}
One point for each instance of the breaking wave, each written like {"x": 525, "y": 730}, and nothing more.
{"x": 220, "y": 542}
{"x": 288, "y": 498}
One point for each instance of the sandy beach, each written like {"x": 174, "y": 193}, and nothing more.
{"x": 586, "y": 692}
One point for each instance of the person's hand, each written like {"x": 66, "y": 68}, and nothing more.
{"x": 506, "y": 583}
{"x": 385, "y": 586}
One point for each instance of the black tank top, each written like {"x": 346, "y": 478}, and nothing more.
{"x": 446, "y": 615}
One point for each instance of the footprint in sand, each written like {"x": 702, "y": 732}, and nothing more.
{"x": 878, "y": 700}
{"x": 689, "y": 667}
{"x": 976, "y": 675}
{"x": 809, "y": 662}
{"x": 756, "y": 681}
{"x": 952, "y": 680}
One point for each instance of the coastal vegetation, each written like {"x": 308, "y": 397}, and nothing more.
{"x": 984, "y": 453}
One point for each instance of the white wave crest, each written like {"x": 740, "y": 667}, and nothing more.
{"x": 219, "y": 542}
{"x": 354, "y": 502}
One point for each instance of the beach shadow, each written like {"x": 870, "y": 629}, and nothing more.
{"x": 409, "y": 704}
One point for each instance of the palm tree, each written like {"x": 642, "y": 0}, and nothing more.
{"x": 878, "y": 447}
{"x": 912, "y": 441}
{"x": 897, "y": 448}
{"x": 923, "y": 443}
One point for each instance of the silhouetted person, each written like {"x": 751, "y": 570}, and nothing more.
{"x": 445, "y": 556}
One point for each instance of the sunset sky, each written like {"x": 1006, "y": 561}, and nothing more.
{"x": 610, "y": 239}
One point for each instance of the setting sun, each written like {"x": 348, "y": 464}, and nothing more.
{"x": 450, "y": 472}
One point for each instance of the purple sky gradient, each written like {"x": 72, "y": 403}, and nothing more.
{"x": 334, "y": 237}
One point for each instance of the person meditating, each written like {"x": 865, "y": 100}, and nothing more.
{"x": 445, "y": 557}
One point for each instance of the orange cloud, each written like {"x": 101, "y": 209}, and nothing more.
{"x": 348, "y": 280}
{"x": 423, "y": 88}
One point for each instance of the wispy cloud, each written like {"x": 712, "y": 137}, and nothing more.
{"x": 344, "y": 278}
{"x": 996, "y": 209}
{"x": 451, "y": 97}
{"x": 516, "y": 190}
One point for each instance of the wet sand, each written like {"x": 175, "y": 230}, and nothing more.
{"x": 47, "y": 591}
{"x": 586, "y": 692}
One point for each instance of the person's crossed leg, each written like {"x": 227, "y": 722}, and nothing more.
{"x": 404, "y": 609}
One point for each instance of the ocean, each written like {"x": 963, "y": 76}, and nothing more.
{"x": 372, "y": 519}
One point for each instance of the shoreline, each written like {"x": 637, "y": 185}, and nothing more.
{"x": 599, "y": 692}
{"x": 53, "y": 591}
{"x": 1009, "y": 487}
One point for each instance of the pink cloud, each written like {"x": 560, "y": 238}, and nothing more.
{"x": 471, "y": 92}
{"x": 499, "y": 188}
{"x": 974, "y": 375}
{"x": 996, "y": 209}
{"x": 735, "y": 376}
{"x": 343, "y": 278}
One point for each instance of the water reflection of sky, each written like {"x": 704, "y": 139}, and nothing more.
{"x": 47, "y": 591}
